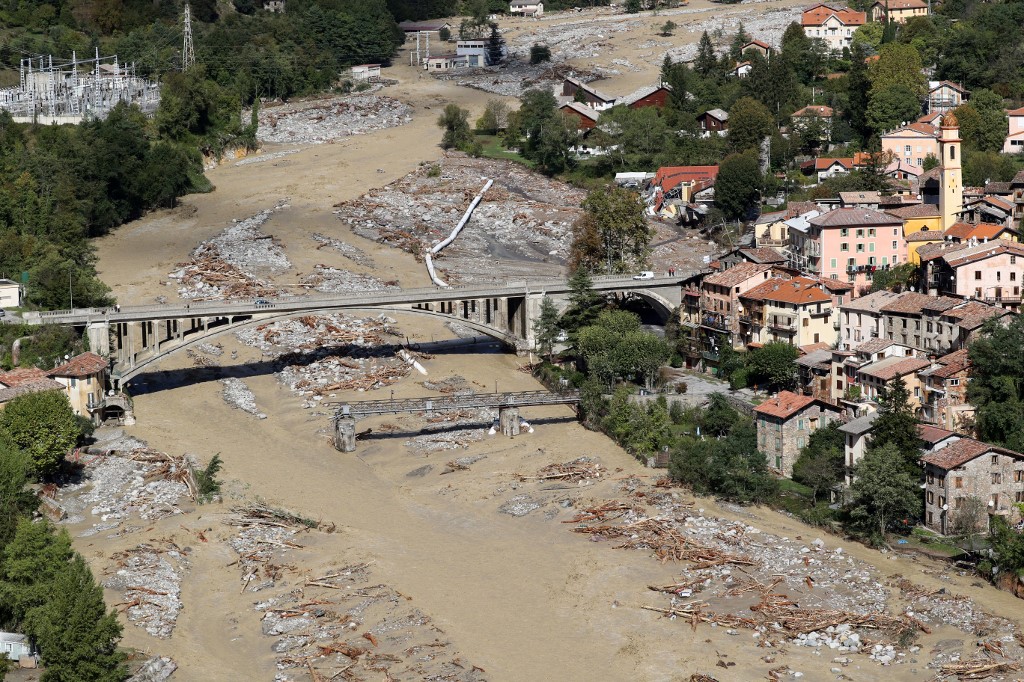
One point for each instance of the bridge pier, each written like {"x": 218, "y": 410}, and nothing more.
{"x": 345, "y": 434}
{"x": 98, "y": 334}
{"x": 508, "y": 420}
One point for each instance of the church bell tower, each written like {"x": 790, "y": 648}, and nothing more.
{"x": 951, "y": 188}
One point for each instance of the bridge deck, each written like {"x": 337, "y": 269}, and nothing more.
{"x": 365, "y": 408}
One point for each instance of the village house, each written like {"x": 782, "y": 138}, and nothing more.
{"x": 912, "y": 143}
{"x": 898, "y": 10}
{"x": 366, "y": 72}
{"x": 475, "y": 52}
{"x": 876, "y": 376}
{"x": 944, "y": 392}
{"x": 785, "y": 422}
{"x": 713, "y": 121}
{"x": 814, "y": 374}
{"x": 965, "y": 468}
{"x": 979, "y": 233}
{"x": 988, "y": 271}
{"x": 846, "y": 365}
{"x": 772, "y": 229}
{"x": 763, "y": 49}
{"x": 857, "y": 433}
{"x": 648, "y": 96}
{"x": 741, "y": 70}
{"x": 813, "y": 115}
{"x": 84, "y": 380}
{"x": 796, "y": 311}
{"x": 720, "y": 304}
{"x": 987, "y": 208}
{"x": 591, "y": 96}
{"x": 922, "y": 224}
{"x": 14, "y": 646}
{"x": 10, "y": 294}
{"x": 675, "y": 187}
{"x": 851, "y": 244}
{"x": 24, "y": 380}
{"x": 945, "y": 96}
{"x": 429, "y": 26}
{"x": 825, "y": 168}
{"x": 860, "y": 320}
{"x": 586, "y": 118}
{"x": 935, "y": 324}
{"x": 832, "y": 24}
{"x": 445, "y": 62}
{"x": 527, "y": 8}
{"x": 1014, "y": 142}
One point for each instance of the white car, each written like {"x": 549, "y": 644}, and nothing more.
{"x": 646, "y": 274}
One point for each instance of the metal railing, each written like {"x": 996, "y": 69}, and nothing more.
{"x": 448, "y": 403}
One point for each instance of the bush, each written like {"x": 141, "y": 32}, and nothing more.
{"x": 676, "y": 361}
{"x": 739, "y": 379}
{"x": 681, "y": 387}
{"x": 676, "y": 413}
{"x": 540, "y": 53}
{"x": 434, "y": 171}
{"x": 207, "y": 481}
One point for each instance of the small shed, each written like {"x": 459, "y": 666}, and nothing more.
{"x": 366, "y": 72}
{"x": 14, "y": 645}
{"x": 10, "y": 293}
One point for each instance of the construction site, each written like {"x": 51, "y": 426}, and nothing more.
{"x": 74, "y": 91}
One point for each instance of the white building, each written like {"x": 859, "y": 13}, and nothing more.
{"x": 475, "y": 52}
{"x": 10, "y": 294}
{"x": 366, "y": 72}
{"x": 833, "y": 25}
{"x": 528, "y": 8}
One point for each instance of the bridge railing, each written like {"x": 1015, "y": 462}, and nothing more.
{"x": 446, "y": 403}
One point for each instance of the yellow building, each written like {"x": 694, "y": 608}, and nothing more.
{"x": 922, "y": 224}
{"x": 796, "y": 311}
{"x": 84, "y": 378}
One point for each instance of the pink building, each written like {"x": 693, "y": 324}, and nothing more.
{"x": 990, "y": 271}
{"x": 720, "y": 299}
{"x": 851, "y": 244}
{"x": 912, "y": 143}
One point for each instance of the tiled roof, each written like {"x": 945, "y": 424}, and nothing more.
{"x": 80, "y": 366}
{"x": 998, "y": 202}
{"x": 784, "y": 405}
{"x": 835, "y": 286}
{"x": 872, "y": 346}
{"x": 924, "y": 236}
{"x": 910, "y": 302}
{"x": 33, "y": 386}
{"x": 997, "y": 188}
{"x": 962, "y": 451}
{"x": 798, "y": 291}
{"x": 973, "y": 314}
{"x": 948, "y": 84}
{"x": 763, "y": 254}
{"x": 812, "y": 347}
{"x": 915, "y": 211}
{"x": 871, "y": 303}
{"x": 959, "y": 230}
{"x": 849, "y": 217}
{"x": 892, "y": 367}
{"x": 758, "y": 43}
{"x": 819, "y": 14}
{"x": 669, "y": 177}
{"x": 588, "y": 88}
{"x": 21, "y": 375}
{"x": 737, "y": 274}
{"x": 932, "y": 434}
{"x": 860, "y": 197}
{"x": 823, "y": 164}
{"x": 930, "y": 252}
{"x": 939, "y": 304}
{"x": 977, "y": 252}
{"x": 925, "y": 129}
{"x": 860, "y": 425}
{"x": 798, "y": 208}
{"x": 818, "y": 359}
{"x": 815, "y": 110}
{"x": 951, "y": 368}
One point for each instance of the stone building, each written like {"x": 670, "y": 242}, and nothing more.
{"x": 785, "y": 422}
{"x": 966, "y": 468}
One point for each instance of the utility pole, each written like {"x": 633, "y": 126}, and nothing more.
{"x": 188, "y": 54}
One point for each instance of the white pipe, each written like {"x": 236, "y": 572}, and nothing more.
{"x": 455, "y": 233}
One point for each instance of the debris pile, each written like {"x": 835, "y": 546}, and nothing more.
{"x": 313, "y": 332}
{"x": 264, "y": 532}
{"x": 579, "y": 469}
{"x": 353, "y": 253}
{"x": 237, "y": 394}
{"x": 521, "y": 228}
{"x": 273, "y": 156}
{"x": 223, "y": 267}
{"x": 334, "y": 281}
{"x": 324, "y": 120}
{"x": 445, "y": 440}
{"x": 453, "y": 385}
{"x": 156, "y": 669}
{"x": 150, "y": 579}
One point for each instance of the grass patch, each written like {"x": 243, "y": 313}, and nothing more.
{"x": 925, "y": 539}
{"x": 493, "y": 149}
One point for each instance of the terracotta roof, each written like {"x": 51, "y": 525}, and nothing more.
{"x": 988, "y": 231}
{"x": 80, "y": 366}
{"x": 849, "y": 217}
{"x": 1018, "y": 179}
{"x": 983, "y": 251}
{"x": 757, "y": 43}
{"x": 926, "y": 129}
{"x": 822, "y": 164}
{"x": 1015, "y": 112}
{"x": 872, "y": 346}
{"x": 962, "y": 451}
{"x": 784, "y": 405}
{"x": 811, "y": 347}
{"x": 932, "y": 251}
{"x": 860, "y": 197}
{"x": 997, "y": 188}
{"x": 798, "y": 291}
{"x": 915, "y": 211}
{"x": 819, "y": 14}
{"x": 939, "y": 304}
{"x": 670, "y": 177}
{"x": 924, "y": 236}
{"x": 998, "y": 202}
{"x": 953, "y": 366}
{"x": 26, "y": 387}
{"x": 892, "y": 367}
{"x": 20, "y": 375}
{"x": 815, "y": 110}
{"x": 833, "y": 285}
{"x": 932, "y": 434}
{"x": 908, "y": 302}
{"x": 973, "y": 314}
{"x": 763, "y": 254}
{"x": 871, "y": 303}
{"x": 959, "y": 230}
{"x": 737, "y": 274}
{"x": 798, "y": 208}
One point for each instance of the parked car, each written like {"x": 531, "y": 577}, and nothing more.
{"x": 646, "y": 274}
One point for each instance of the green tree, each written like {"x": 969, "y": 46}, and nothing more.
{"x": 982, "y": 120}
{"x": 546, "y": 328}
{"x": 77, "y": 636}
{"x": 585, "y": 304}
{"x": 16, "y": 502}
{"x": 929, "y": 162}
{"x": 899, "y": 278}
{"x": 738, "y": 184}
{"x": 898, "y": 65}
{"x": 773, "y": 366}
{"x": 868, "y": 35}
{"x": 540, "y": 53}
{"x": 706, "y": 63}
{"x": 557, "y": 136}
{"x": 799, "y": 50}
{"x": 729, "y": 467}
{"x": 996, "y": 388}
{"x": 896, "y": 425}
{"x": 719, "y": 416}
{"x": 892, "y": 106}
{"x": 749, "y": 123}
{"x": 455, "y": 124}
{"x": 738, "y": 41}
{"x": 32, "y": 560}
{"x": 885, "y": 495}
{"x": 43, "y": 425}
{"x": 633, "y": 6}
{"x": 1007, "y": 545}
{"x": 667, "y": 28}
{"x": 612, "y": 232}
{"x": 495, "y": 46}
{"x": 494, "y": 118}
{"x": 858, "y": 88}
{"x": 820, "y": 465}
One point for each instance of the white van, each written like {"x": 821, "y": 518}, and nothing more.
{"x": 646, "y": 274}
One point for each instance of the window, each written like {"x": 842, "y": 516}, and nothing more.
{"x": 844, "y": 232}
{"x": 906, "y": 149}
{"x": 930, "y": 521}
{"x": 860, "y": 248}
{"x": 807, "y": 322}
{"x": 917, "y": 389}
{"x": 958, "y": 482}
{"x": 895, "y": 231}
{"x": 954, "y": 382}
{"x": 860, "y": 234}
{"x": 904, "y": 320}
{"x": 1013, "y": 260}
{"x": 894, "y": 246}
{"x": 958, "y": 503}
{"x": 800, "y": 424}
{"x": 931, "y": 479}
{"x": 871, "y": 259}
{"x": 1013, "y": 276}
{"x": 938, "y": 328}
{"x": 995, "y": 500}
{"x": 832, "y": 263}
{"x": 885, "y": 260}
{"x": 997, "y": 479}
{"x": 1019, "y": 496}
{"x": 72, "y": 382}
{"x": 977, "y": 274}
{"x": 942, "y": 500}
{"x": 952, "y": 152}
{"x": 800, "y": 441}
{"x": 844, "y": 247}
{"x": 995, "y": 460}
{"x": 871, "y": 232}
{"x": 931, "y": 497}
{"x": 871, "y": 247}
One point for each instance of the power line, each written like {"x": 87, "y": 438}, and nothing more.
{"x": 188, "y": 54}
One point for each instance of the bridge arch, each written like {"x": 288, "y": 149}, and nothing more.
{"x": 658, "y": 303}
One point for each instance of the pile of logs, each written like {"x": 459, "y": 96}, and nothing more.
{"x": 577, "y": 470}
{"x": 209, "y": 272}
{"x": 168, "y": 467}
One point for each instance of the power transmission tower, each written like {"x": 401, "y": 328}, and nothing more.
{"x": 188, "y": 54}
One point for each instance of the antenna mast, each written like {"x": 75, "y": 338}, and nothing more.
{"x": 188, "y": 55}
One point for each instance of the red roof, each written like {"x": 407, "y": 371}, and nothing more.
{"x": 962, "y": 451}
{"x": 798, "y": 291}
{"x": 784, "y": 405}
{"x": 1015, "y": 112}
{"x": 737, "y": 274}
{"x": 819, "y": 14}
{"x": 26, "y": 387}
{"x": 920, "y": 128}
{"x": 932, "y": 434}
{"x": 887, "y": 370}
{"x": 670, "y": 177}
{"x": 816, "y": 110}
{"x": 21, "y": 375}
{"x": 80, "y": 366}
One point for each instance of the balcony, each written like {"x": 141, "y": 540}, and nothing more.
{"x": 710, "y": 355}
{"x": 824, "y": 312}
{"x": 784, "y": 324}
{"x": 719, "y": 323}
{"x": 1004, "y": 300}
